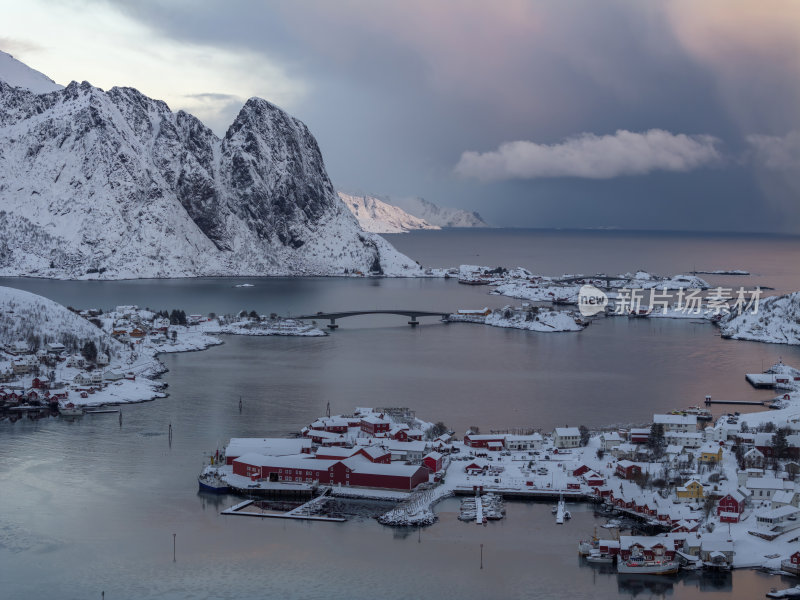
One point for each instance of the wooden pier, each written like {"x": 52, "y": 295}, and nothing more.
{"x": 304, "y": 512}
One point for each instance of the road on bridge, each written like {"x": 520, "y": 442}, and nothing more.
{"x": 413, "y": 315}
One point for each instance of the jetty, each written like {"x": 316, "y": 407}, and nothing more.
{"x": 309, "y": 511}
{"x": 708, "y": 401}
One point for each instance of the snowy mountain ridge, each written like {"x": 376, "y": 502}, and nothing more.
{"x": 376, "y": 216}
{"x": 440, "y": 216}
{"x": 18, "y": 74}
{"x": 113, "y": 185}
{"x": 776, "y": 322}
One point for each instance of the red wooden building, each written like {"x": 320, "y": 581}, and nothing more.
{"x": 628, "y": 470}
{"x": 730, "y": 507}
{"x": 375, "y": 424}
{"x": 433, "y": 461}
{"x": 484, "y": 441}
{"x": 355, "y": 471}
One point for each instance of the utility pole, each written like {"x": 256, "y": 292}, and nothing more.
{"x": 173, "y": 546}
{"x": 481, "y": 556}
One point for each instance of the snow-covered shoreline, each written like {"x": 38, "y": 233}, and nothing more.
{"x": 59, "y": 356}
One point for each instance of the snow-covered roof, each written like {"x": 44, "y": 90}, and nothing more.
{"x": 434, "y": 455}
{"x": 375, "y": 420}
{"x": 675, "y": 419}
{"x": 784, "y": 496}
{"x": 567, "y": 432}
{"x": 413, "y": 446}
{"x": 777, "y": 513}
{"x": 295, "y": 461}
{"x": 765, "y": 483}
{"x": 534, "y": 437}
{"x": 267, "y": 446}
{"x": 359, "y": 464}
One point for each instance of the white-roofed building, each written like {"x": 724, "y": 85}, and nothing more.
{"x": 566, "y": 437}
{"x": 517, "y": 443}
{"x": 266, "y": 447}
{"x": 676, "y": 423}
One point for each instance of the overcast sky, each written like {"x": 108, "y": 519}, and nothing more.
{"x": 650, "y": 115}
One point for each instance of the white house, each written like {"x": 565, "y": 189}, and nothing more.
{"x": 686, "y": 439}
{"x": 778, "y": 520}
{"x": 786, "y": 498}
{"x": 610, "y": 440}
{"x": 676, "y": 423}
{"x": 82, "y": 379}
{"x": 763, "y": 488}
{"x": 409, "y": 451}
{"x": 523, "y": 442}
{"x": 566, "y": 437}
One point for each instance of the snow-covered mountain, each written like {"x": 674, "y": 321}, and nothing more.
{"x": 37, "y": 320}
{"x": 777, "y": 321}
{"x": 18, "y": 74}
{"x": 113, "y": 184}
{"x": 376, "y": 216}
{"x": 440, "y": 216}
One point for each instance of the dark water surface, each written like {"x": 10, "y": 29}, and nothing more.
{"x": 87, "y": 506}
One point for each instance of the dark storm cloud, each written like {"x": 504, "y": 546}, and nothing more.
{"x": 399, "y": 91}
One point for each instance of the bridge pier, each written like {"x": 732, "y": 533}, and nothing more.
{"x": 332, "y": 325}
{"x": 413, "y": 322}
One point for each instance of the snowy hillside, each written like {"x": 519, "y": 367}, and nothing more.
{"x": 34, "y": 319}
{"x": 777, "y": 321}
{"x": 440, "y": 216}
{"x": 376, "y": 216}
{"x": 18, "y": 74}
{"x": 113, "y": 185}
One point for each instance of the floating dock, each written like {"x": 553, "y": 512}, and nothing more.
{"x": 305, "y": 512}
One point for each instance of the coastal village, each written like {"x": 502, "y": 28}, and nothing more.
{"x": 681, "y": 492}
{"x": 97, "y": 359}
{"x": 684, "y": 492}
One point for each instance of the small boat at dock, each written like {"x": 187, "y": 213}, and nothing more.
{"x": 599, "y": 558}
{"x": 643, "y": 566}
{"x": 211, "y": 481}
{"x": 70, "y": 410}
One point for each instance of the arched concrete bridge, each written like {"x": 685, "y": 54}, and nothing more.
{"x": 413, "y": 315}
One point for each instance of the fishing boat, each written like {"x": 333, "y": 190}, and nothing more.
{"x": 643, "y": 566}
{"x": 211, "y": 481}
{"x": 70, "y": 410}
{"x": 600, "y": 558}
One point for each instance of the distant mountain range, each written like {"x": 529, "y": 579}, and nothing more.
{"x": 376, "y": 216}
{"x": 397, "y": 215}
{"x": 113, "y": 184}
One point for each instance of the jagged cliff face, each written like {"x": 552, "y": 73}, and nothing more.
{"x": 114, "y": 184}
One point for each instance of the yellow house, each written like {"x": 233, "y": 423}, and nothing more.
{"x": 691, "y": 491}
{"x": 710, "y": 454}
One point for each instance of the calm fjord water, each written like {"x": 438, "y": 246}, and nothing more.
{"x": 87, "y": 506}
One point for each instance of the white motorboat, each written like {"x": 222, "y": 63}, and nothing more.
{"x": 642, "y": 566}
{"x": 70, "y": 410}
